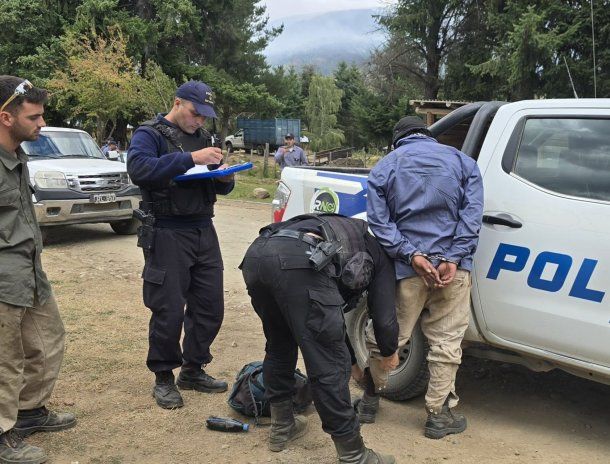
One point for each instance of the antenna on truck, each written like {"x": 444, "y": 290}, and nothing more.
{"x": 570, "y": 76}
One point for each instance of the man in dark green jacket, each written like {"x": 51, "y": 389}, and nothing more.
{"x": 31, "y": 330}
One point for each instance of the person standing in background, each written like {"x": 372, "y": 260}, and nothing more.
{"x": 290, "y": 154}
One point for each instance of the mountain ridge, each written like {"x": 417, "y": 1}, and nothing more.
{"x": 325, "y": 39}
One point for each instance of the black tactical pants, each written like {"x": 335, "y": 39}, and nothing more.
{"x": 301, "y": 308}
{"x": 183, "y": 287}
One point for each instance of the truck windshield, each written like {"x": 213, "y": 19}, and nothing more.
{"x": 59, "y": 144}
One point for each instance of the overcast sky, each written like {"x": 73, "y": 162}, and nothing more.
{"x": 281, "y": 8}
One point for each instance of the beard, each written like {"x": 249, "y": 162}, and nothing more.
{"x": 25, "y": 134}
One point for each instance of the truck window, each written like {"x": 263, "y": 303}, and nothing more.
{"x": 466, "y": 127}
{"x": 570, "y": 156}
{"x": 63, "y": 144}
{"x": 455, "y": 135}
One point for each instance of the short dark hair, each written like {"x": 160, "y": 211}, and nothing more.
{"x": 8, "y": 84}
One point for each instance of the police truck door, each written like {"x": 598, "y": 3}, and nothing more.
{"x": 543, "y": 263}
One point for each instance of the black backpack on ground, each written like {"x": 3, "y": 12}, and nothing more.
{"x": 248, "y": 393}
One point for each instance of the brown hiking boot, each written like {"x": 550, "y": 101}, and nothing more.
{"x": 42, "y": 420}
{"x": 13, "y": 450}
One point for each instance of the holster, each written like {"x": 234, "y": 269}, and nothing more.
{"x": 146, "y": 232}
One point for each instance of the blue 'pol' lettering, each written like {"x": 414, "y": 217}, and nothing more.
{"x": 514, "y": 258}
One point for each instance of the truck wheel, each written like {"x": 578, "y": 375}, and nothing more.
{"x": 125, "y": 227}
{"x": 229, "y": 146}
{"x": 410, "y": 378}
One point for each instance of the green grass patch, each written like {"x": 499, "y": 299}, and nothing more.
{"x": 245, "y": 184}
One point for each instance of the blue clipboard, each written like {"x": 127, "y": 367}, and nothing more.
{"x": 215, "y": 172}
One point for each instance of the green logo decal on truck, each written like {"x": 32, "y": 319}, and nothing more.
{"x": 325, "y": 201}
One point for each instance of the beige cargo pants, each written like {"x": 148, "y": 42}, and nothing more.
{"x": 31, "y": 352}
{"x": 444, "y": 315}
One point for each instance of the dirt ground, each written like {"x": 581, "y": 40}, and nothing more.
{"x": 515, "y": 416}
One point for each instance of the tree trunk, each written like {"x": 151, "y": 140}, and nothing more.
{"x": 100, "y": 128}
{"x": 433, "y": 53}
{"x": 145, "y": 11}
{"x": 224, "y": 131}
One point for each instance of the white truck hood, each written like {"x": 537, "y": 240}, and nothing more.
{"x": 76, "y": 166}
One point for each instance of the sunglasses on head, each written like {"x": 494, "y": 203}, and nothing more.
{"x": 20, "y": 90}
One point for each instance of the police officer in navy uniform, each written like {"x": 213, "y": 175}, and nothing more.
{"x": 183, "y": 270}
{"x": 301, "y": 275}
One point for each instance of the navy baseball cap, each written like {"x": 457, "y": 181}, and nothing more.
{"x": 200, "y": 95}
{"x": 289, "y": 136}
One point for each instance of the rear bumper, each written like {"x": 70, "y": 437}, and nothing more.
{"x": 82, "y": 211}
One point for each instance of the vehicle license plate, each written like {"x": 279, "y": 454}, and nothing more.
{"x": 103, "y": 197}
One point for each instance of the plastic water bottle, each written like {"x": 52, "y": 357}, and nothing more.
{"x": 225, "y": 424}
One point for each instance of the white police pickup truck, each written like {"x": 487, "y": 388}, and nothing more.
{"x": 541, "y": 280}
{"x": 73, "y": 183}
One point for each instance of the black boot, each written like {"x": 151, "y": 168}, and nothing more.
{"x": 165, "y": 392}
{"x": 352, "y": 451}
{"x": 42, "y": 420}
{"x": 366, "y": 408}
{"x": 444, "y": 423}
{"x": 13, "y": 450}
{"x": 197, "y": 379}
{"x": 285, "y": 426}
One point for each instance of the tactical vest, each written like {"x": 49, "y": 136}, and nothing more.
{"x": 185, "y": 198}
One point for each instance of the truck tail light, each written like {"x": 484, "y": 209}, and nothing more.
{"x": 280, "y": 201}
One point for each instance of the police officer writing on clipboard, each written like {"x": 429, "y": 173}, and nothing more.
{"x": 183, "y": 270}
{"x": 301, "y": 275}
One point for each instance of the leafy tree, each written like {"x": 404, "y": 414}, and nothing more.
{"x": 531, "y": 43}
{"x": 474, "y": 48}
{"x": 321, "y": 108}
{"x": 233, "y": 98}
{"x": 307, "y": 74}
{"x": 421, "y": 36}
{"x": 521, "y": 60}
{"x": 26, "y": 26}
{"x": 100, "y": 84}
{"x": 350, "y": 80}
{"x": 384, "y": 100}
{"x": 285, "y": 86}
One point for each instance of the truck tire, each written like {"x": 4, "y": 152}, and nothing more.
{"x": 229, "y": 146}
{"x": 125, "y": 227}
{"x": 410, "y": 378}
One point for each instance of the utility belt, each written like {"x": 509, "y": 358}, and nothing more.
{"x": 302, "y": 236}
{"x": 157, "y": 208}
{"x": 323, "y": 251}
{"x": 355, "y": 274}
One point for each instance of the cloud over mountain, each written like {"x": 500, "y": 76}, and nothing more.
{"x": 325, "y": 39}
